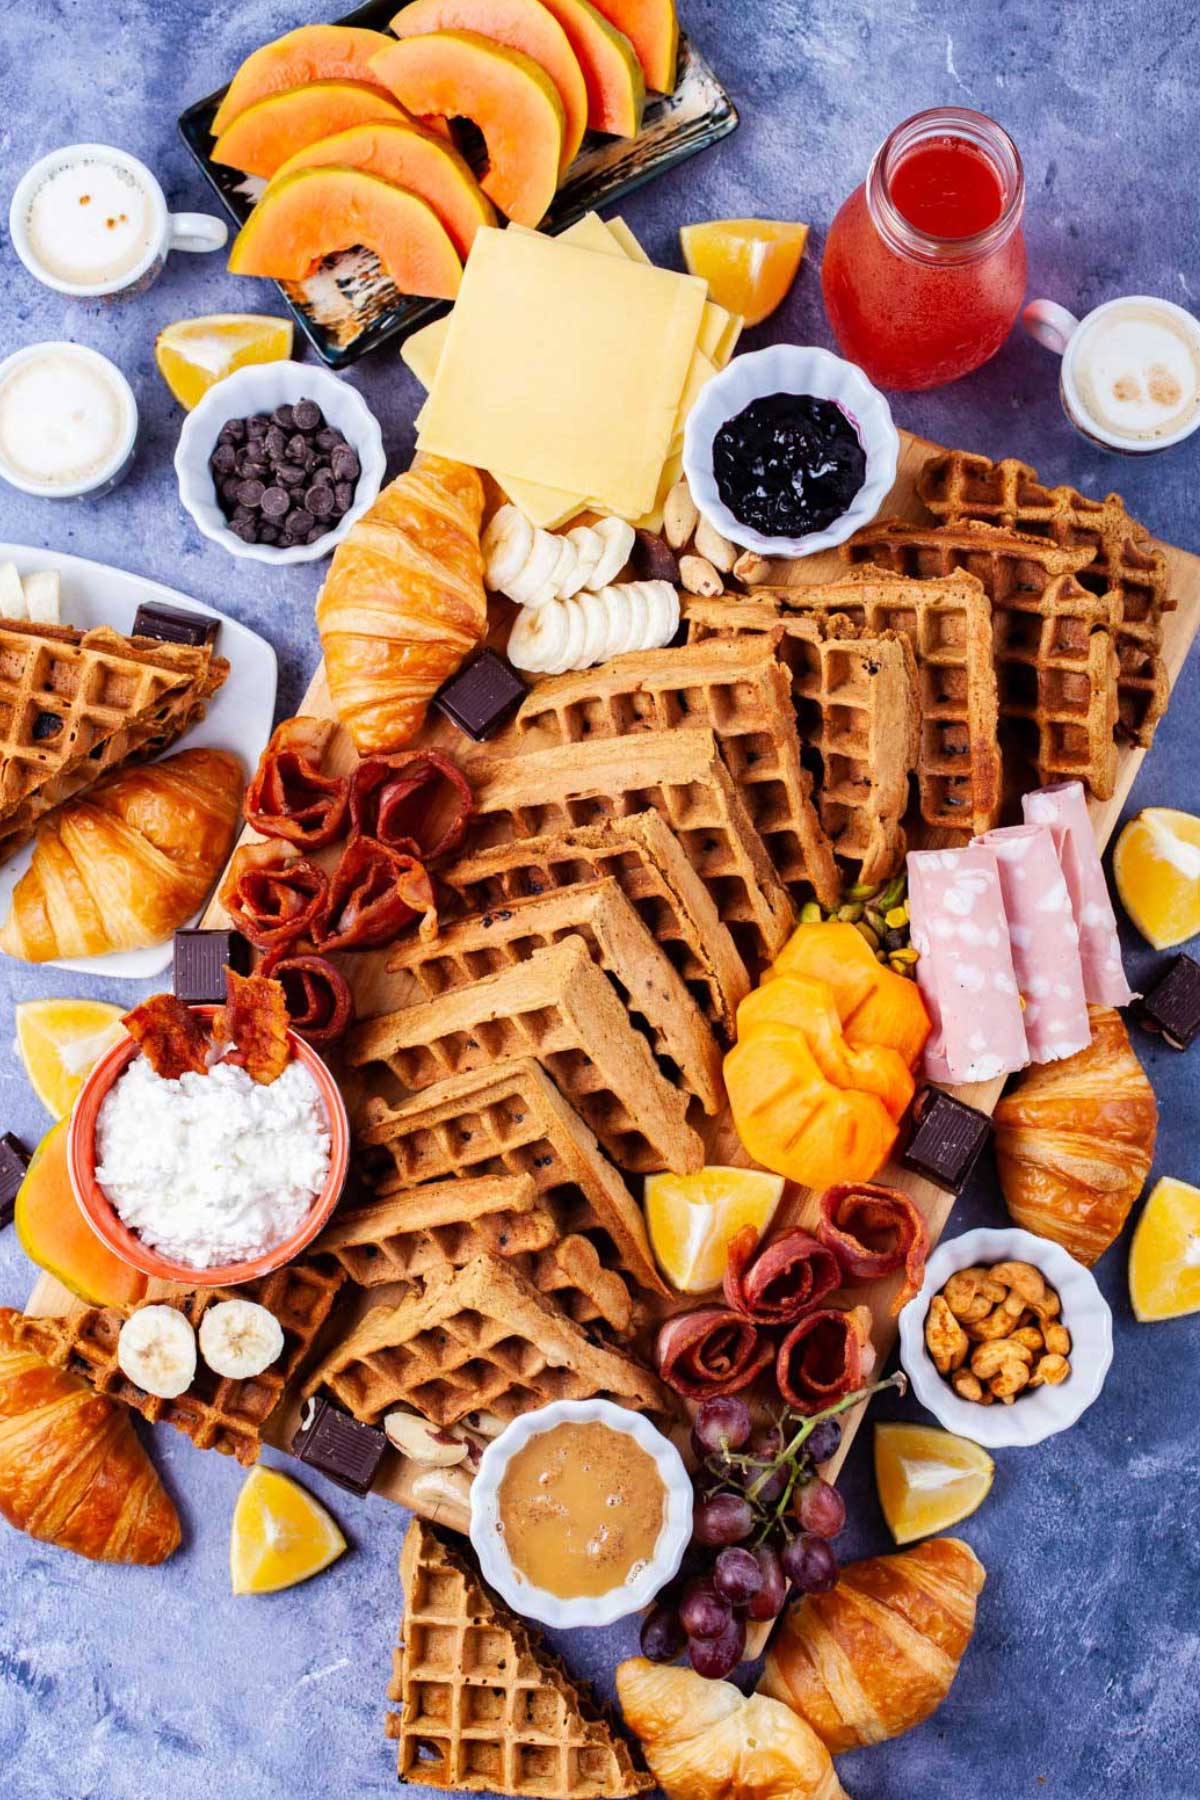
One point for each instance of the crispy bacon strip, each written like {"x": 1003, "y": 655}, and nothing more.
{"x": 289, "y": 796}
{"x": 824, "y": 1357}
{"x": 254, "y": 1020}
{"x": 171, "y": 1037}
{"x": 417, "y": 801}
{"x": 775, "y": 1283}
{"x": 711, "y": 1351}
{"x": 873, "y": 1231}
{"x": 273, "y": 894}
{"x": 375, "y": 891}
{"x": 319, "y": 1003}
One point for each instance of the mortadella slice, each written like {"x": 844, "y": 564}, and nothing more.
{"x": 1044, "y": 940}
{"x": 1063, "y": 809}
{"x": 965, "y": 972}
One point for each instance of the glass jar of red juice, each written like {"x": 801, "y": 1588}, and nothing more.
{"x": 924, "y": 267}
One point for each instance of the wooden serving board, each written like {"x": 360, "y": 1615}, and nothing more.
{"x": 376, "y": 991}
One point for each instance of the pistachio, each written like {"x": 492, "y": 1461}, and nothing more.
{"x": 681, "y": 515}
{"x": 864, "y": 931}
{"x": 811, "y": 914}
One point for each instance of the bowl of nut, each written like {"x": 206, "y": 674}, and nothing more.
{"x": 1009, "y": 1339}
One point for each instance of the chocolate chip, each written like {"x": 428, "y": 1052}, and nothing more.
{"x": 317, "y": 532}
{"x": 234, "y": 431}
{"x": 307, "y": 415}
{"x": 328, "y": 439}
{"x": 290, "y": 474}
{"x": 275, "y": 503}
{"x": 343, "y": 496}
{"x": 268, "y": 534}
{"x": 257, "y": 426}
{"x": 45, "y": 726}
{"x": 224, "y": 459}
{"x": 284, "y": 417}
{"x": 299, "y": 523}
{"x": 244, "y": 529}
{"x": 250, "y": 493}
{"x": 241, "y": 515}
{"x": 275, "y": 443}
{"x": 345, "y": 464}
{"x": 319, "y": 501}
{"x": 323, "y": 476}
{"x": 297, "y": 448}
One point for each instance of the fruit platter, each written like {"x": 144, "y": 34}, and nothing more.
{"x": 617, "y": 1156}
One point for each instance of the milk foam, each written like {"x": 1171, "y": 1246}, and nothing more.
{"x": 61, "y": 419}
{"x": 1138, "y": 372}
{"x": 90, "y": 222}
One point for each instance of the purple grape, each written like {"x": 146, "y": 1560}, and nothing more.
{"x": 725, "y": 1519}
{"x": 809, "y": 1564}
{"x": 823, "y": 1440}
{"x": 770, "y": 1598}
{"x": 819, "y": 1507}
{"x": 717, "y": 1657}
{"x": 765, "y": 1445}
{"x": 736, "y": 1575}
{"x": 722, "y": 1423}
{"x": 702, "y": 1612}
{"x": 663, "y": 1637}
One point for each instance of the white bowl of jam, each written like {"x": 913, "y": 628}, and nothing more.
{"x": 580, "y": 1513}
{"x": 790, "y": 450}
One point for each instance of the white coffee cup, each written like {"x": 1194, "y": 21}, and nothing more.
{"x": 68, "y": 422}
{"x": 142, "y": 241}
{"x": 1130, "y": 376}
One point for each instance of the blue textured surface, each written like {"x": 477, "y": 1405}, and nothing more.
{"x": 1083, "y": 1677}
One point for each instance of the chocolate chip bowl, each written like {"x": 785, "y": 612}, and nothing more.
{"x": 278, "y": 461}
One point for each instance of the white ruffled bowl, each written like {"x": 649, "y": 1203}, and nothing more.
{"x": 593, "y": 1609}
{"x": 1047, "y": 1410}
{"x": 260, "y": 388}
{"x": 791, "y": 369}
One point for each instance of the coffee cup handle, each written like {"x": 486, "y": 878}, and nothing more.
{"x": 197, "y": 231}
{"x": 1050, "y": 324}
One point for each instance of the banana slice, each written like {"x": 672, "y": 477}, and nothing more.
{"x": 157, "y": 1351}
{"x": 589, "y": 548}
{"x": 538, "y": 638}
{"x": 239, "y": 1338}
{"x": 594, "y": 612}
{"x": 663, "y": 600}
{"x": 617, "y": 537}
{"x": 538, "y": 571}
{"x": 639, "y": 624}
{"x": 565, "y": 569}
{"x": 619, "y": 609}
{"x": 506, "y": 545}
{"x": 568, "y": 657}
{"x": 43, "y": 596}
{"x": 13, "y": 604}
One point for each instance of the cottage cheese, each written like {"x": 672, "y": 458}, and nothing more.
{"x": 214, "y": 1168}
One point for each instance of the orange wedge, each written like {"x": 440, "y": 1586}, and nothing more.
{"x": 749, "y": 264}
{"x": 928, "y": 1479}
{"x": 1157, "y": 868}
{"x": 1164, "y": 1257}
{"x": 691, "y": 1219}
{"x": 281, "y": 1535}
{"x": 194, "y": 354}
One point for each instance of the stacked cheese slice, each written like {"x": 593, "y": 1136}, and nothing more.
{"x": 568, "y": 368}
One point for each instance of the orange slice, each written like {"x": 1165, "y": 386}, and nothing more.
{"x": 691, "y": 1219}
{"x": 281, "y": 1535}
{"x": 59, "y": 1041}
{"x": 928, "y": 1479}
{"x": 1164, "y": 1257}
{"x": 194, "y": 354}
{"x": 1157, "y": 868}
{"x": 749, "y": 264}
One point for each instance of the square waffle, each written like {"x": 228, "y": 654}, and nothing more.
{"x": 484, "y": 1706}
{"x": 619, "y": 943}
{"x": 559, "y": 1008}
{"x": 478, "y": 1339}
{"x": 682, "y": 775}
{"x": 737, "y": 690}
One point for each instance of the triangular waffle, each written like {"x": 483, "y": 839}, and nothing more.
{"x": 739, "y": 691}
{"x": 658, "y": 1002}
{"x": 559, "y": 1008}
{"x": 1004, "y": 561}
{"x": 484, "y": 1706}
{"x": 478, "y": 1339}
{"x": 216, "y": 1412}
{"x": 682, "y": 775}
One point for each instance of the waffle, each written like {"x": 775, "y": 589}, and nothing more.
{"x": 559, "y": 1008}
{"x": 484, "y": 1706}
{"x": 855, "y": 695}
{"x": 1005, "y": 562}
{"x": 1057, "y": 669}
{"x": 948, "y": 622}
{"x": 478, "y": 1339}
{"x": 681, "y": 775}
{"x": 216, "y": 1412}
{"x": 1125, "y": 566}
{"x": 739, "y": 691}
{"x": 645, "y": 857}
{"x": 618, "y": 942}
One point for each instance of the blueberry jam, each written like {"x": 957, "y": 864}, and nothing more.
{"x": 789, "y": 464}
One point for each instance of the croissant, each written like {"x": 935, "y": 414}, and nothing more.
{"x": 72, "y": 1472}
{"x": 705, "y": 1740}
{"x": 404, "y": 602}
{"x": 128, "y": 864}
{"x": 1075, "y": 1140}
{"x": 876, "y": 1655}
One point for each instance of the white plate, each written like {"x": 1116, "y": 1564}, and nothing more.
{"x": 238, "y": 716}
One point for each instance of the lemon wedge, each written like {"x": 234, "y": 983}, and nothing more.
{"x": 1157, "y": 868}
{"x": 749, "y": 264}
{"x": 281, "y": 1535}
{"x": 928, "y": 1479}
{"x": 194, "y": 354}
{"x": 1164, "y": 1257}
{"x": 59, "y": 1042}
{"x": 691, "y": 1218}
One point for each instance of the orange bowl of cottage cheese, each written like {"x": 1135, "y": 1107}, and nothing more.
{"x": 211, "y": 1179}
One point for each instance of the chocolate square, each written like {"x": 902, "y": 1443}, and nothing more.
{"x": 1172, "y": 1004}
{"x": 14, "y": 1160}
{"x": 948, "y": 1137}
{"x": 199, "y": 961}
{"x": 482, "y": 697}
{"x": 341, "y": 1447}
{"x": 172, "y": 625}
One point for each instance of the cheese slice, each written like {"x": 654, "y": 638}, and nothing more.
{"x": 719, "y": 329}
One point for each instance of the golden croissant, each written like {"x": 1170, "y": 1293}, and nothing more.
{"x": 705, "y": 1740}
{"x": 1075, "y": 1140}
{"x": 72, "y": 1471}
{"x": 129, "y": 863}
{"x": 404, "y": 602}
{"x": 876, "y": 1655}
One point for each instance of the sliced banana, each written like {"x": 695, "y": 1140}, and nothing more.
{"x": 239, "y": 1339}
{"x": 589, "y": 548}
{"x": 538, "y": 570}
{"x": 565, "y": 569}
{"x": 506, "y": 545}
{"x": 13, "y": 604}
{"x": 619, "y": 607}
{"x": 573, "y": 648}
{"x": 157, "y": 1351}
{"x": 43, "y": 596}
{"x": 618, "y": 537}
{"x": 663, "y": 601}
{"x": 639, "y": 623}
{"x": 538, "y": 638}
{"x": 594, "y": 611}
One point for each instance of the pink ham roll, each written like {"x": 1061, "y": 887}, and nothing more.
{"x": 1063, "y": 809}
{"x": 1044, "y": 940}
{"x": 960, "y": 931}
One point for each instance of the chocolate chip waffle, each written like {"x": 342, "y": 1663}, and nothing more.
{"x": 484, "y": 1706}
{"x": 1125, "y": 566}
{"x": 739, "y": 691}
{"x": 682, "y": 776}
{"x": 477, "y": 1339}
{"x": 559, "y": 1008}
{"x": 216, "y": 1412}
{"x": 658, "y": 1002}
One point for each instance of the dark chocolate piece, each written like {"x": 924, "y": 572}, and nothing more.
{"x": 947, "y": 1139}
{"x": 343, "y": 1449}
{"x": 482, "y": 697}
{"x": 653, "y": 558}
{"x": 14, "y": 1160}
{"x": 1172, "y": 1005}
{"x": 171, "y": 625}
{"x": 199, "y": 963}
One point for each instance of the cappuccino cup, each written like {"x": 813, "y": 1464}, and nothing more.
{"x": 1130, "y": 376}
{"x": 68, "y": 422}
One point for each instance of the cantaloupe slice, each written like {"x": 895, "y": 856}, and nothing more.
{"x": 54, "y": 1234}
{"x": 312, "y": 213}
{"x": 616, "y": 87}
{"x": 313, "y": 53}
{"x": 412, "y": 159}
{"x": 523, "y": 25}
{"x": 509, "y": 97}
{"x": 652, "y": 27}
{"x": 267, "y": 133}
